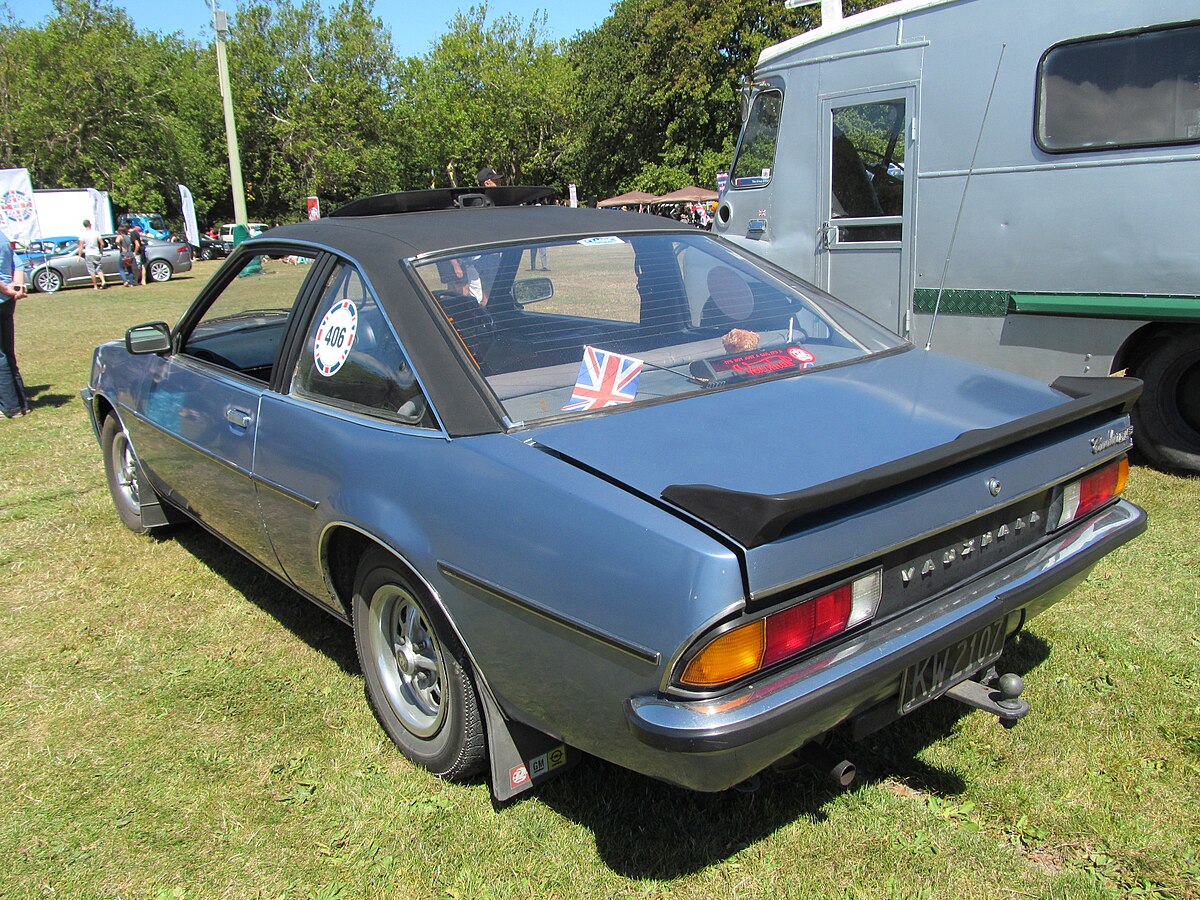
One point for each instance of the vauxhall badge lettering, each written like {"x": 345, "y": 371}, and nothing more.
{"x": 962, "y": 550}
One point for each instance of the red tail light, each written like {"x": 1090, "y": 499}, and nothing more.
{"x": 744, "y": 650}
{"x": 1092, "y": 491}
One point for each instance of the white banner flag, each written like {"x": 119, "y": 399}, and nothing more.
{"x": 101, "y": 211}
{"x": 18, "y": 219}
{"x": 189, "y": 217}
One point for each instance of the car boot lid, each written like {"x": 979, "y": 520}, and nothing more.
{"x": 756, "y": 471}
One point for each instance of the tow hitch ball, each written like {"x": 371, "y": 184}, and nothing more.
{"x": 1003, "y": 700}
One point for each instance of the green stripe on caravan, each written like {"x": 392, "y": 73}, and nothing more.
{"x": 999, "y": 303}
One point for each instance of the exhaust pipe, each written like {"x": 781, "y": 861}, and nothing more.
{"x": 842, "y": 771}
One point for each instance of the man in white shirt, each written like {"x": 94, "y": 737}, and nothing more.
{"x": 90, "y": 248}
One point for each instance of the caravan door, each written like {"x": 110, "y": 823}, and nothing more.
{"x": 869, "y": 174}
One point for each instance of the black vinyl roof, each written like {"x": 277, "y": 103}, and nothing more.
{"x": 419, "y": 233}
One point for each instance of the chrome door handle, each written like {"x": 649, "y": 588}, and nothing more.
{"x": 239, "y": 418}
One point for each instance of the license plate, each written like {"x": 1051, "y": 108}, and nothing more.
{"x": 936, "y": 674}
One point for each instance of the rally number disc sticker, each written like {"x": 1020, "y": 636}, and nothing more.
{"x": 802, "y": 356}
{"x": 335, "y": 337}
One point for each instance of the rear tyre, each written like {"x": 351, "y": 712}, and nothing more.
{"x": 417, "y": 677}
{"x": 160, "y": 270}
{"x": 1166, "y": 418}
{"x": 48, "y": 281}
{"x": 121, "y": 467}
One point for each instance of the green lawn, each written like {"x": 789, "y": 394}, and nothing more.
{"x": 173, "y": 723}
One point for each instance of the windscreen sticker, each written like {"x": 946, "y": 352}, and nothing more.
{"x": 335, "y": 337}
{"x": 605, "y": 379}
{"x": 802, "y": 356}
{"x": 761, "y": 362}
{"x": 600, "y": 241}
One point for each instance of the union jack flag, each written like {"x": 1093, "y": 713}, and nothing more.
{"x": 605, "y": 379}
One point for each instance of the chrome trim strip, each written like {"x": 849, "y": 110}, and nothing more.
{"x": 587, "y": 630}
{"x": 286, "y": 492}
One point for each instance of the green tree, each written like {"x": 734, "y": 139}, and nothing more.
{"x": 317, "y": 104}
{"x": 90, "y": 102}
{"x": 659, "y": 88}
{"x": 492, "y": 92}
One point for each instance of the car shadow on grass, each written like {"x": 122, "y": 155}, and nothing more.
{"x": 304, "y": 619}
{"x": 648, "y": 829}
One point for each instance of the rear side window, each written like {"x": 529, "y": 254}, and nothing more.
{"x": 352, "y": 359}
{"x": 1140, "y": 89}
{"x": 756, "y": 153}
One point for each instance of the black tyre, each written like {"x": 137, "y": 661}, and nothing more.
{"x": 1166, "y": 418}
{"x": 121, "y": 467}
{"x": 48, "y": 281}
{"x": 204, "y": 253}
{"x": 160, "y": 270}
{"x": 417, "y": 677}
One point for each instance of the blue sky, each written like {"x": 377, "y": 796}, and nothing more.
{"x": 414, "y": 24}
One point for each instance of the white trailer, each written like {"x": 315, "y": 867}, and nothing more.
{"x": 60, "y": 213}
{"x": 1021, "y": 172}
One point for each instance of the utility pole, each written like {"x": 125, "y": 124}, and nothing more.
{"x": 221, "y": 26}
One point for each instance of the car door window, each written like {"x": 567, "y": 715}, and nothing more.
{"x": 244, "y": 325}
{"x": 352, "y": 359}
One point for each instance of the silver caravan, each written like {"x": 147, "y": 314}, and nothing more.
{"x": 1019, "y": 179}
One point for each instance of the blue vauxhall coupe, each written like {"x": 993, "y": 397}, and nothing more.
{"x": 663, "y": 503}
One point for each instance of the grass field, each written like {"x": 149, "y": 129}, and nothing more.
{"x": 175, "y": 724}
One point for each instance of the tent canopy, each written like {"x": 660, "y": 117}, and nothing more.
{"x": 691, "y": 194}
{"x": 630, "y": 198}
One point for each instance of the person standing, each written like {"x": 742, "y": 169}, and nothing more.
{"x": 13, "y": 399}
{"x": 140, "y": 262}
{"x": 90, "y": 248}
{"x": 125, "y": 248}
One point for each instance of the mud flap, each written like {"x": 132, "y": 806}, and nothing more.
{"x": 521, "y": 757}
{"x": 153, "y": 511}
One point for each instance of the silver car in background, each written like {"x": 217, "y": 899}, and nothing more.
{"x": 67, "y": 268}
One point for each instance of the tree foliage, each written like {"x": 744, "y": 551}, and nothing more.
{"x": 91, "y": 102}
{"x": 659, "y": 87}
{"x": 324, "y": 105}
{"x": 493, "y": 92}
{"x": 316, "y": 103}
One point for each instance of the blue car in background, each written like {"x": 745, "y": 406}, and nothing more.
{"x": 665, "y": 503}
{"x": 152, "y": 224}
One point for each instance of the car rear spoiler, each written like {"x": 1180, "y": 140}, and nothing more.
{"x": 756, "y": 519}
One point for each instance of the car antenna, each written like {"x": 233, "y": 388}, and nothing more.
{"x": 963, "y": 200}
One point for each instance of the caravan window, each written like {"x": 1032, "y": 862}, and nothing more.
{"x": 756, "y": 155}
{"x": 867, "y": 170}
{"x": 1128, "y": 90}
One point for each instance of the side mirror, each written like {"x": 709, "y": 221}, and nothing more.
{"x": 532, "y": 290}
{"x": 152, "y": 337}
